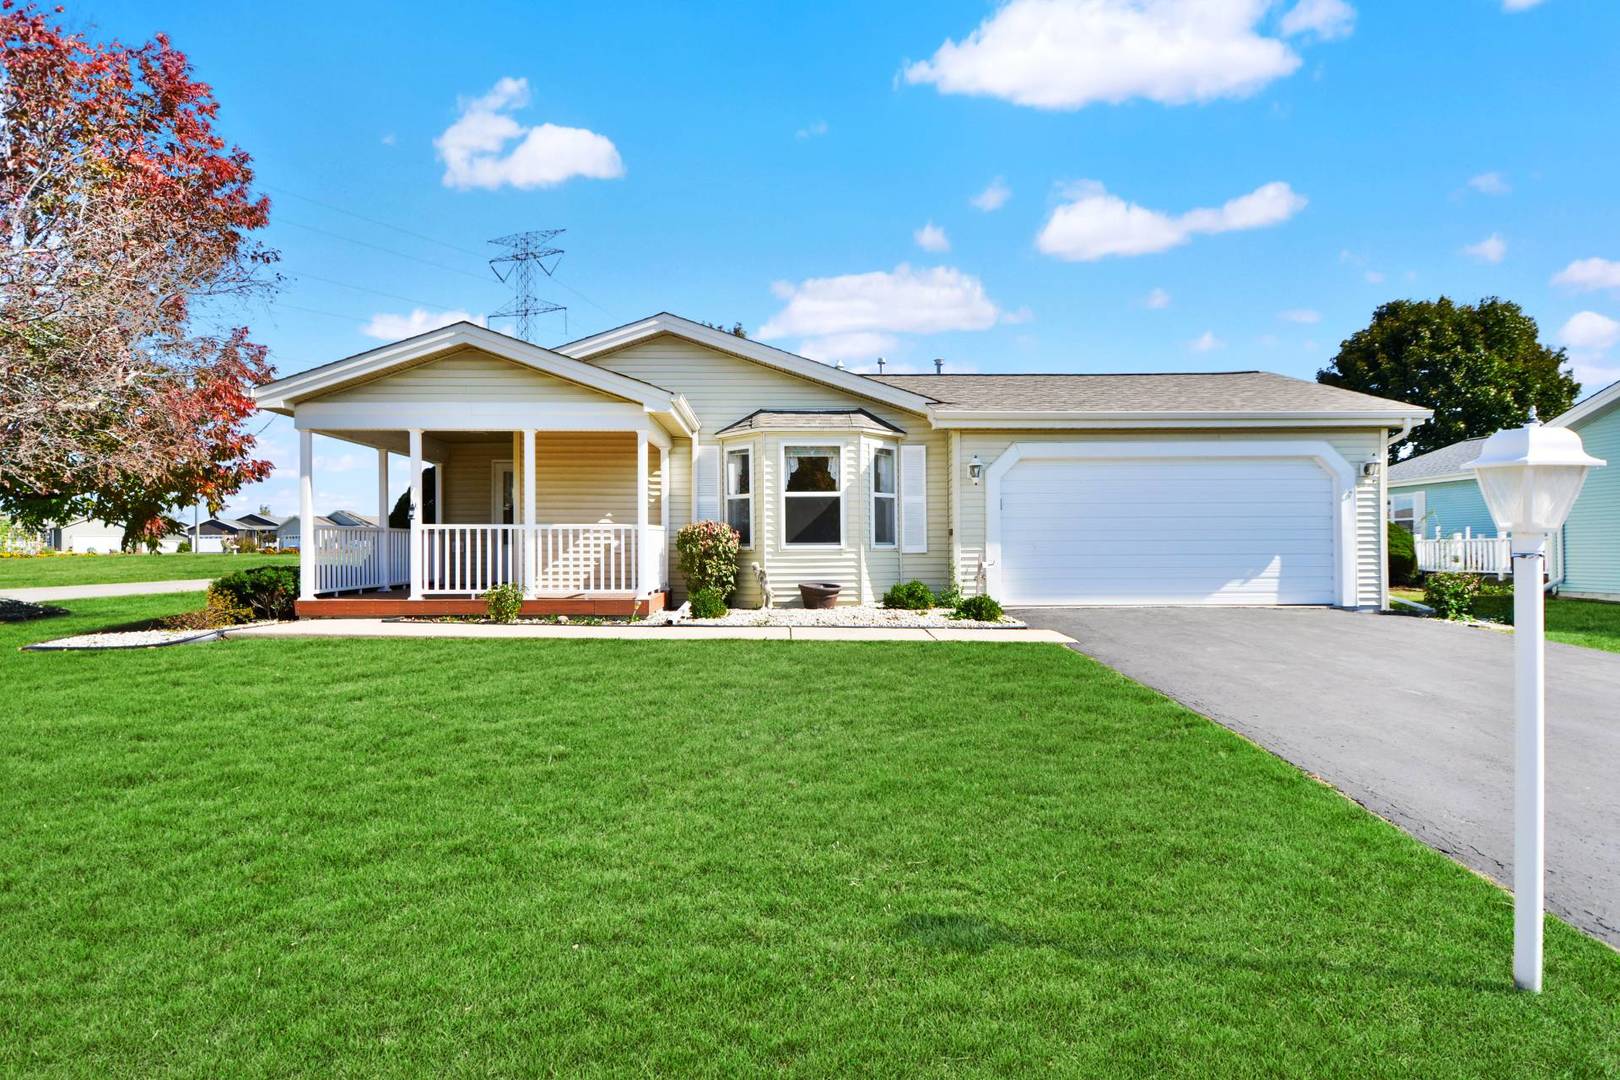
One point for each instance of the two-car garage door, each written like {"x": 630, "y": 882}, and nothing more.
{"x": 1167, "y": 531}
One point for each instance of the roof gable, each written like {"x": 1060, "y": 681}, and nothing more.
{"x": 1585, "y": 410}
{"x": 664, "y": 323}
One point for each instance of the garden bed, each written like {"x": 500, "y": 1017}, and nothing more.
{"x": 846, "y": 615}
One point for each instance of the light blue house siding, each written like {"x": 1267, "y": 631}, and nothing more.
{"x": 1455, "y": 506}
{"x": 1592, "y": 533}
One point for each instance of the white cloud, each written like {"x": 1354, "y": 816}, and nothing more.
{"x": 486, "y": 148}
{"x": 1324, "y": 19}
{"x": 1095, "y": 224}
{"x": 329, "y": 463}
{"x": 812, "y": 130}
{"x": 1588, "y": 275}
{"x": 830, "y": 312}
{"x": 1374, "y": 277}
{"x": 388, "y": 326}
{"x": 993, "y": 197}
{"x": 1205, "y": 342}
{"x": 1490, "y": 183}
{"x": 1303, "y": 316}
{"x": 389, "y": 139}
{"x": 1492, "y": 249}
{"x": 1066, "y": 54}
{"x": 1519, "y": 5}
{"x": 1156, "y": 300}
{"x": 1587, "y": 330}
{"x": 836, "y": 348}
{"x": 932, "y": 237}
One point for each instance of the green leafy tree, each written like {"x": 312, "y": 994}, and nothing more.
{"x": 1479, "y": 366}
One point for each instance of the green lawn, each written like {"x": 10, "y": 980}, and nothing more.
{"x": 1591, "y": 623}
{"x": 718, "y": 858}
{"x": 47, "y": 570}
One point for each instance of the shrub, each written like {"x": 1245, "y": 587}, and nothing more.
{"x": 1451, "y": 595}
{"x": 504, "y": 602}
{"x": 951, "y": 597}
{"x": 978, "y": 608}
{"x": 264, "y": 592}
{"x": 707, "y": 555}
{"x": 909, "y": 596}
{"x": 185, "y": 546}
{"x": 708, "y": 604}
{"x": 1403, "y": 567}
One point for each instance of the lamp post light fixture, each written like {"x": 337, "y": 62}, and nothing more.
{"x": 1530, "y": 477}
{"x": 975, "y": 469}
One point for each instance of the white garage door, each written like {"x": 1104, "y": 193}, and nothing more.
{"x": 1167, "y": 531}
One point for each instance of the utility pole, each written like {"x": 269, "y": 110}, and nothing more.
{"x": 527, "y": 252}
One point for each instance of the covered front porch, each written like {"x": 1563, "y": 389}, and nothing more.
{"x": 575, "y": 519}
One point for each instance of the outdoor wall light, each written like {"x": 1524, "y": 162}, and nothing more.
{"x": 975, "y": 469}
{"x": 1530, "y": 477}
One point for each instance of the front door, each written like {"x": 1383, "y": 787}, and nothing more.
{"x": 502, "y": 503}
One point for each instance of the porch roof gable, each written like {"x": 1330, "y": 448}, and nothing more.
{"x": 283, "y": 394}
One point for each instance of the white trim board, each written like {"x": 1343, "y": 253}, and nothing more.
{"x": 1321, "y": 453}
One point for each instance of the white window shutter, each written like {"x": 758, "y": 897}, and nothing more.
{"x": 707, "y": 483}
{"x": 913, "y": 499}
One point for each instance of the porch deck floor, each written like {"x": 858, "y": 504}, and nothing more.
{"x": 397, "y": 603}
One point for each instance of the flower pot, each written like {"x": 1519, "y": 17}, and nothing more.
{"x": 819, "y": 594}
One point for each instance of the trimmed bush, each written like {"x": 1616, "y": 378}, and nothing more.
{"x": 978, "y": 608}
{"x": 1403, "y": 567}
{"x": 1451, "y": 595}
{"x": 909, "y": 596}
{"x": 708, "y": 604}
{"x": 503, "y": 603}
{"x": 264, "y": 592}
{"x": 706, "y": 552}
{"x": 951, "y": 597}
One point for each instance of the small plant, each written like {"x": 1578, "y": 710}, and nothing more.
{"x": 264, "y": 592}
{"x": 909, "y": 596}
{"x": 503, "y": 603}
{"x": 706, "y": 552}
{"x": 1451, "y": 595}
{"x": 708, "y": 604}
{"x": 1403, "y": 566}
{"x": 978, "y": 608}
{"x": 184, "y": 548}
{"x": 951, "y": 597}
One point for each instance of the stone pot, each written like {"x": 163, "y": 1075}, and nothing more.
{"x": 819, "y": 594}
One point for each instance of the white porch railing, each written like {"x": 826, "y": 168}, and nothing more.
{"x": 564, "y": 560}
{"x": 1467, "y": 554}
{"x": 348, "y": 558}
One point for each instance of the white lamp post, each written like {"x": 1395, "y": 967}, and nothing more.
{"x": 1530, "y": 477}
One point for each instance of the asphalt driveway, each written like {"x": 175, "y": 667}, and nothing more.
{"x": 1410, "y": 717}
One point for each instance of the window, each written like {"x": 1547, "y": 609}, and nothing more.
{"x": 883, "y": 497}
{"x": 812, "y": 499}
{"x": 740, "y": 494}
{"x": 1407, "y": 512}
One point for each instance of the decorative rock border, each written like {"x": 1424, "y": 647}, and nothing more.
{"x": 126, "y": 639}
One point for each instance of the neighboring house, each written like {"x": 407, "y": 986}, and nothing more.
{"x": 1438, "y": 490}
{"x": 90, "y": 535}
{"x": 569, "y": 471}
{"x": 223, "y": 534}
{"x": 287, "y": 533}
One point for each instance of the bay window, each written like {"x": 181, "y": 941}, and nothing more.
{"x": 884, "y": 497}
{"x": 812, "y": 496}
{"x": 740, "y": 494}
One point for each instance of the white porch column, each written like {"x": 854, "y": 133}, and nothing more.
{"x": 416, "y": 513}
{"x": 307, "y": 549}
{"x": 531, "y": 536}
{"x": 643, "y": 587}
{"x": 663, "y": 514}
{"x": 382, "y": 489}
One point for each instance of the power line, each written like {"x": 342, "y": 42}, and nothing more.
{"x": 386, "y": 250}
{"x": 376, "y": 221}
{"x": 300, "y": 275}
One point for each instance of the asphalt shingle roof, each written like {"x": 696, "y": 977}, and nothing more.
{"x": 1441, "y": 462}
{"x": 1226, "y": 391}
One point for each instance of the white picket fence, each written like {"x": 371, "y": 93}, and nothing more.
{"x": 1465, "y": 553}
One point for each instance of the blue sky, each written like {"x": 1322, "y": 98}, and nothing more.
{"x": 1188, "y": 184}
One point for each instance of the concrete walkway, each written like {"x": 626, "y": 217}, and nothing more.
{"x": 1412, "y": 718}
{"x": 48, "y": 594}
{"x": 378, "y": 628}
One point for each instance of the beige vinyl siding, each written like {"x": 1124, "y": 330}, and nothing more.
{"x": 721, "y": 389}
{"x": 1355, "y": 445}
{"x": 586, "y": 477}
{"x": 469, "y": 480}
{"x": 467, "y": 375}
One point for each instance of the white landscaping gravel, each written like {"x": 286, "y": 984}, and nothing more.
{"x": 849, "y": 615}
{"x": 126, "y": 639}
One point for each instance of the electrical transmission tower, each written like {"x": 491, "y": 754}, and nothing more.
{"x": 527, "y": 251}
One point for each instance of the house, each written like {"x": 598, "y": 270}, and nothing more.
{"x": 288, "y": 532}
{"x": 568, "y": 471}
{"x": 226, "y": 534}
{"x": 91, "y": 535}
{"x": 1438, "y": 495}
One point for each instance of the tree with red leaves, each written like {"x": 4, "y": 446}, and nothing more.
{"x": 122, "y": 213}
